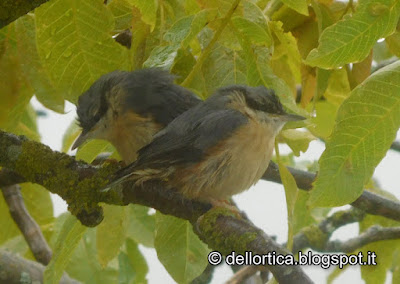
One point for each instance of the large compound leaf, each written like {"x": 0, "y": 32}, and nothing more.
{"x": 75, "y": 45}
{"x": 366, "y": 125}
{"x": 351, "y": 39}
{"x": 179, "y": 249}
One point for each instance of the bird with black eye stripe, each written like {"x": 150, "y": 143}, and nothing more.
{"x": 128, "y": 108}
{"x": 216, "y": 149}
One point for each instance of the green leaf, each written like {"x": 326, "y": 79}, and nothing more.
{"x": 222, "y": 67}
{"x": 26, "y": 125}
{"x": 286, "y": 52}
{"x": 393, "y": 43}
{"x": 162, "y": 57}
{"x": 70, "y": 136}
{"x": 141, "y": 225}
{"x": 323, "y": 122}
{"x": 38, "y": 203}
{"x": 84, "y": 265}
{"x": 111, "y": 233}
{"x": 324, "y": 15}
{"x": 133, "y": 266}
{"x": 338, "y": 87}
{"x": 351, "y": 39}
{"x": 148, "y": 9}
{"x": 90, "y": 150}
{"x": 122, "y": 11}
{"x": 291, "y": 195}
{"x": 301, "y": 214}
{"x": 179, "y": 249}
{"x": 297, "y": 5}
{"x": 37, "y": 74}
{"x": 75, "y": 44}
{"x": 366, "y": 125}
{"x": 260, "y": 73}
{"x": 69, "y": 237}
{"x": 185, "y": 29}
{"x": 297, "y": 140}
{"x": 256, "y": 33}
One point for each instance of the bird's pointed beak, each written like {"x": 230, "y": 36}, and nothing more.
{"x": 293, "y": 117}
{"x": 80, "y": 140}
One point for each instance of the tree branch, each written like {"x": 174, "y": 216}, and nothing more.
{"x": 80, "y": 184}
{"x": 12, "y": 10}
{"x": 76, "y": 181}
{"x": 317, "y": 236}
{"x": 395, "y": 146}
{"x": 373, "y": 234}
{"x": 27, "y": 225}
{"x": 20, "y": 270}
{"x": 369, "y": 202}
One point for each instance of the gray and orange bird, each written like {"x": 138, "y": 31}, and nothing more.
{"x": 216, "y": 149}
{"x": 128, "y": 108}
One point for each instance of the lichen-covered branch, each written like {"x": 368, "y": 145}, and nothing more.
{"x": 16, "y": 270}
{"x": 28, "y": 227}
{"x": 38, "y": 163}
{"x": 78, "y": 183}
{"x": 10, "y": 10}
{"x": 226, "y": 233}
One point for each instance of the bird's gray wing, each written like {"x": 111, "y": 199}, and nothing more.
{"x": 153, "y": 92}
{"x": 187, "y": 139}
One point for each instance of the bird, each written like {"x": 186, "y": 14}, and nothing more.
{"x": 216, "y": 149}
{"x": 128, "y": 108}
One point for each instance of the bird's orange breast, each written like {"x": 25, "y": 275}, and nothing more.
{"x": 230, "y": 167}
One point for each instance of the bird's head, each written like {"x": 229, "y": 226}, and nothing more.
{"x": 95, "y": 105}
{"x": 258, "y": 103}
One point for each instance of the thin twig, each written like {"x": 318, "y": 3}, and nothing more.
{"x": 27, "y": 225}
{"x": 371, "y": 235}
{"x": 243, "y": 274}
{"x": 317, "y": 236}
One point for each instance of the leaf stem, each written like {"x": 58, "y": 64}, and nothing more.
{"x": 209, "y": 47}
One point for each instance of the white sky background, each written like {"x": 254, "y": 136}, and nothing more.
{"x": 264, "y": 203}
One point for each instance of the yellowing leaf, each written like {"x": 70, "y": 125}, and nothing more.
{"x": 366, "y": 125}
{"x": 351, "y": 39}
